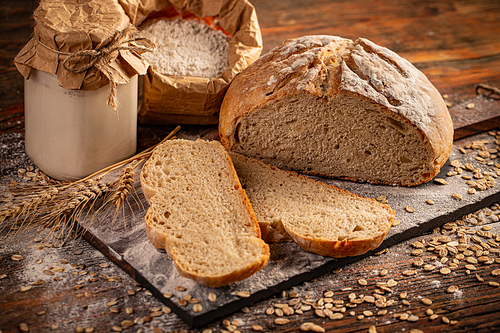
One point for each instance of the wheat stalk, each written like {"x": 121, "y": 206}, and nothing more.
{"x": 117, "y": 197}
{"x": 58, "y": 206}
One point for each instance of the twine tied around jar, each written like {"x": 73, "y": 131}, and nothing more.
{"x": 100, "y": 57}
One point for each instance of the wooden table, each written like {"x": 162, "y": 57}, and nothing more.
{"x": 455, "y": 43}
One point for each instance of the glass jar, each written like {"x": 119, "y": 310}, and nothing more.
{"x": 73, "y": 133}
{"x": 81, "y": 67}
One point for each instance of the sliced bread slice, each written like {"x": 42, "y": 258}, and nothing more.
{"x": 200, "y": 214}
{"x": 321, "y": 218}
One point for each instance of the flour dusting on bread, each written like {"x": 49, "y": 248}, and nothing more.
{"x": 333, "y": 107}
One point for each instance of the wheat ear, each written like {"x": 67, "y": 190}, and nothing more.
{"x": 59, "y": 205}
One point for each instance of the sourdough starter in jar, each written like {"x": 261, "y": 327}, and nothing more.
{"x": 73, "y": 133}
{"x": 81, "y": 67}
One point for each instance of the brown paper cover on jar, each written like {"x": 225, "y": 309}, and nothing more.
{"x": 87, "y": 45}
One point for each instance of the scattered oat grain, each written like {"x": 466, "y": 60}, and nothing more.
{"x": 426, "y": 301}
{"x": 417, "y": 252}
{"x": 445, "y": 270}
{"x": 413, "y": 318}
{"x": 419, "y": 262}
{"x": 127, "y": 323}
{"x": 281, "y": 321}
{"x": 244, "y": 294}
{"x": 320, "y": 313}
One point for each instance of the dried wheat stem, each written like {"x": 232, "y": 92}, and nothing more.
{"x": 60, "y": 206}
{"x": 73, "y": 204}
{"x": 124, "y": 186}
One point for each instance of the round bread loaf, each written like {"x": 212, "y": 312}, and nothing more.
{"x": 333, "y": 107}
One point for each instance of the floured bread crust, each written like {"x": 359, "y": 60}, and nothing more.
{"x": 335, "y": 91}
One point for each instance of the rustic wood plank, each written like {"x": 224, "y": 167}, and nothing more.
{"x": 455, "y": 43}
{"x": 476, "y": 115}
{"x": 440, "y": 30}
{"x": 12, "y": 118}
{"x": 16, "y": 25}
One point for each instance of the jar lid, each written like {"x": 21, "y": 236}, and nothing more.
{"x": 87, "y": 44}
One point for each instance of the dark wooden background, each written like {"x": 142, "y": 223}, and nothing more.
{"x": 456, "y": 43}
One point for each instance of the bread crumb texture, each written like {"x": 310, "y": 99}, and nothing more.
{"x": 329, "y": 106}
{"x": 321, "y": 218}
{"x": 200, "y": 214}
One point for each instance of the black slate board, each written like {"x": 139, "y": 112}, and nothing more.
{"x": 127, "y": 245}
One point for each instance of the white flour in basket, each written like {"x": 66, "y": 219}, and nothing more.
{"x": 187, "y": 47}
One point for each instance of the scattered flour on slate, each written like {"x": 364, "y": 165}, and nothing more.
{"x": 187, "y": 47}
